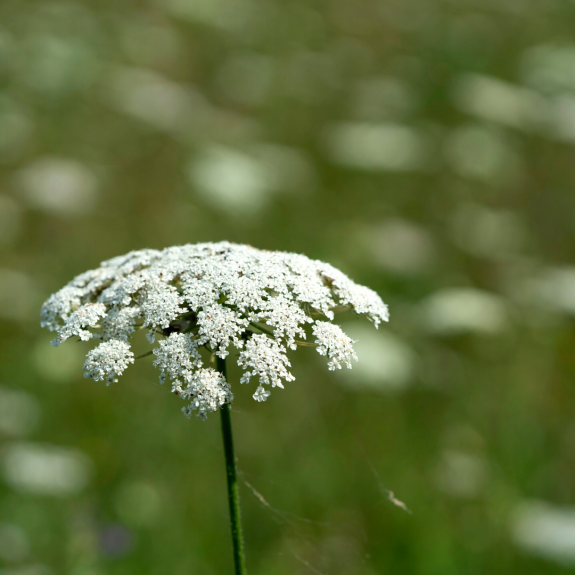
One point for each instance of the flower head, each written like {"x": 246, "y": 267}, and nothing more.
{"x": 209, "y": 297}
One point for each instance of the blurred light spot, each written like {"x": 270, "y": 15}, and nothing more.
{"x": 483, "y": 232}
{"x": 116, "y": 541}
{"x": 386, "y": 364}
{"x": 45, "y": 469}
{"x": 148, "y": 44}
{"x": 461, "y": 474}
{"x": 554, "y": 288}
{"x": 233, "y": 15}
{"x": 157, "y": 101}
{"x": 19, "y": 412}
{"x": 57, "y": 65}
{"x": 383, "y": 98}
{"x": 27, "y": 570}
{"x": 545, "y": 530}
{"x": 549, "y": 69}
{"x": 10, "y": 219}
{"x": 56, "y": 366}
{"x": 138, "y": 503}
{"x": 17, "y": 128}
{"x": 242, "y": 182}
{"x": 14, "y": 544}
{"x": 374, "y": 147}
{"x": 287, "y": 168}
{"x": 18, "y": 296}
{"x": 58, "y": 186}
{"x": 460, "y": 310}
{"x": 246, "y": 77}
{"x": 493, "y": 99}
{"x": 401, "y": 246}
{"x": 481, "y": 153}
{"x": 230, "y": 180}
{"x": 562, "y": 113}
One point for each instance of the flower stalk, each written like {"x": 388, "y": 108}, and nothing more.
{"x": 233, "y": 487}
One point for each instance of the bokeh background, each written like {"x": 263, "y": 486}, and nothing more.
{"x": 425, "y": 147}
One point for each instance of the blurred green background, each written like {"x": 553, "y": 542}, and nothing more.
{"x": 425, "y": 147}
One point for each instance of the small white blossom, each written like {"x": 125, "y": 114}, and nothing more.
{"x": 178, "y": 357}
{"x": 261, "y": 394}
{"x": 119, "y": 323}
{"x": 108, "y": 361}
{"x": 334, "y": 343}
{"x": 208, "y": 390}
{"x": 86, "y": 316}
{"x": 209, "y": 296}
{"x": 219, "y": 325}
{"x": 267, "y": 359}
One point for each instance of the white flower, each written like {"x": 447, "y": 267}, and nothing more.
{"x": 208, "y": 390}
{"x": 212, "y": 297}
{"x": 86, "y": 316}
{"x": 334, "y": 343}
{"x": 267, "y": 359}
{"x": 178, "y": 358}
{"x": 108, "y": 361}
{"x": 261, "y": 394}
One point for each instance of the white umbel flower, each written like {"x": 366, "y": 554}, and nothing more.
{"x": 210, "y": 298}
{"x": 85, "y": 316}
{"x": 267, "y": 360}
{"x": 208, "y": 390}
{"x": 108, "y": 361}
{"x": 334, "y": 343}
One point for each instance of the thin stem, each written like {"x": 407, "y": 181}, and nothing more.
{"x": 144, "y": 354}
{"x": 305, "y": 343}
{"x": 233, "y": 487}
{"x": 261, "y": 329}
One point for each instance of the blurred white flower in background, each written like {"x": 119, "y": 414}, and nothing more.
{"x": 45, "y": 469}
{"x": 549, "y": 68}
{"x": 553, "y": 288}
{"x": 400, "y": 246}
{"x": 495, "y": 100}
{"x": 18, "y": 295}
{"x": 232, "y": 15}
{"x": 545, "y": 530}
{"x": 374, "y": 147}
{"x": 155, "y": 100}
{"x": 245, "y": 181}
{"x": 462, "y": 310}
{"x": 60, "y": 367}
{"x": 461, "y": 474}
{"x": 19, "y": 412}
{"x": 10, "y": 219}
{"x": 55, "y": 65}
{"x": 481, "y": 152}
{"x": 382, "y": 98}
{"x": 58, "y": 186}
{"x": 386, "y": 363}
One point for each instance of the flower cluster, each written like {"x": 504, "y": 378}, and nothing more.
{"x": 209, "y": 297}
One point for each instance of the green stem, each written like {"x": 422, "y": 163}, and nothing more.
{"x": 233, "y": 487}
